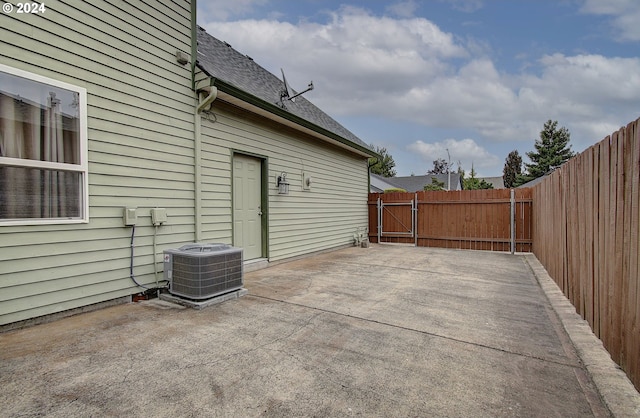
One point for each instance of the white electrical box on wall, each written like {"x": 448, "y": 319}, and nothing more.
{"x": 158, "y": 216}
{"x": 130, "y": 216}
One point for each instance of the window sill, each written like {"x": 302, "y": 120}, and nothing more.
{"x": 48, "y": 221}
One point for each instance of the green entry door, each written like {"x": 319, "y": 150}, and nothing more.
{"x": 247, "y": 212}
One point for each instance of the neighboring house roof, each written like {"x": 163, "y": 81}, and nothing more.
{"x": 417, "y": 183}
{"x": 239, "y": 76}
{"x": 496, "y": 182}
{"x": 532, "y": 182}
{"x": 379, "y": 184}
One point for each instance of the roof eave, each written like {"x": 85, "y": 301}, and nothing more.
{"x": 247, "y": 101}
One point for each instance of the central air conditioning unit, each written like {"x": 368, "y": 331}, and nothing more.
{"x": 202, "y": 271}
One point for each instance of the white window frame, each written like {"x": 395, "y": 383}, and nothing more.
{"x": 82, "y": 168}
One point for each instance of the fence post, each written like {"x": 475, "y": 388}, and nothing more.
{"x": 379, "y": 220}
{"x": 513, "y": 221}
{"x": 414, "y": 210}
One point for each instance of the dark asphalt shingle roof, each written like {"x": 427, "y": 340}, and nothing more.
{"x": 379, "y": 184}
{"x": 532, "y": 182}
{"x": 417, "y": 183}
{"x": 496, "y": 182}
{"x": 219, "y": 60}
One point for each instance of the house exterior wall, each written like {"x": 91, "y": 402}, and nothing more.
{"x": 303, "y": 221}
{"x": 140, "y": 148}
{"x": 141, "y": 153}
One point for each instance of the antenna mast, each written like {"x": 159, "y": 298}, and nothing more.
{"x": 288, "y": 92}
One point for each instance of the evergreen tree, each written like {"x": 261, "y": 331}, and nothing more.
{"x": 552, "y": 150}
{"x": 512, "y": 168}
{"x": 435, "y": 185}
{"x": 522, "y": 179}
{"x": 383, "y": 167}
{"x": 474, "y": 183}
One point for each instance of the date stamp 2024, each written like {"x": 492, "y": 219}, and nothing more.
{"x": 30, "y": 7}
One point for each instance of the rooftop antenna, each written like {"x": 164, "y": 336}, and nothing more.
{"x": 288, "y": 93}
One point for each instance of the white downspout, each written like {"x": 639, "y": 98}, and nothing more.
{"x": 212, "y": 93}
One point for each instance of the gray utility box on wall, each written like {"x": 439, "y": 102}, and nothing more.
{"x": 202, "y": 271}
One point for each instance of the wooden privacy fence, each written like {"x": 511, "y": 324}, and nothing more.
{"x": 586, "y": 220}
{"x": 467, "y": 219}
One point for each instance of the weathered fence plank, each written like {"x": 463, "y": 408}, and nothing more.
{"x": 633, "y": 294}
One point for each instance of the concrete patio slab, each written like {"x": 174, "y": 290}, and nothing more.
{"x": 384, "y": 331}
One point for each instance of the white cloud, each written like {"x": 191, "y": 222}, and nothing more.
{"x": 352, "y": 40}
{"x": 625, "y": 16}
{"x": 222, "y": 10}
{"x": 588, "y": 94}
{"x": 357, "y": 61}
{"x": 408, "y": 69}
{"x": 475, "y": 96}
{"x": 467, "y": 6}
{"x": 609, "y": 7}
{"x": 403, "y": 8}
{"x": 465, "y": 151}
{"x": 583, "y": 78}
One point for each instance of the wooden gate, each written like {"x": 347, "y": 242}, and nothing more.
{"x": 494, "y": 220}
{"x": 396, "y": 218}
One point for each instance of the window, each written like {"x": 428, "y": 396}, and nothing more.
{"x": 43, "y": 150}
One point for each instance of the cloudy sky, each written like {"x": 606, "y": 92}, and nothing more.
{"x": 477, "y": 77}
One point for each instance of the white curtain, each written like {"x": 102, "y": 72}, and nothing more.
{"x": 35, "y": 132}
{"x": 53, "y": 193}
{"x": 32, "y": 186}
{"x": 12, "y": 120}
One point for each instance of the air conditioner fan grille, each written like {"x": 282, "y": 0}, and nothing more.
{"x": 205, "y": 276}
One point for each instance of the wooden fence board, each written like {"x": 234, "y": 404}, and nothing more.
{"x": 577, "y": 244}
{"x": 589, "y": 237}
{"x": 627, "y": 150}
{"x": 633, "y": 295}
{"x": 572, "y": 248}
{"x": 565, "y": 228}
{"x": 605, "y": 242}
{"x": 581, "y": 222}
{"x": 558, "y": 252}
{"x": 612, "y": 277}
{"x": 602, "y": 235}
{"x": 621, "y": 280}
{"x": 524, "y": 217}
{"x": 596, "y": 239}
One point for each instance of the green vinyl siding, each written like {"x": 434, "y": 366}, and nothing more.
{"x": 304, "y": 221}
{"x": 140, "y": 149}
{"x": 141, "y": 153}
